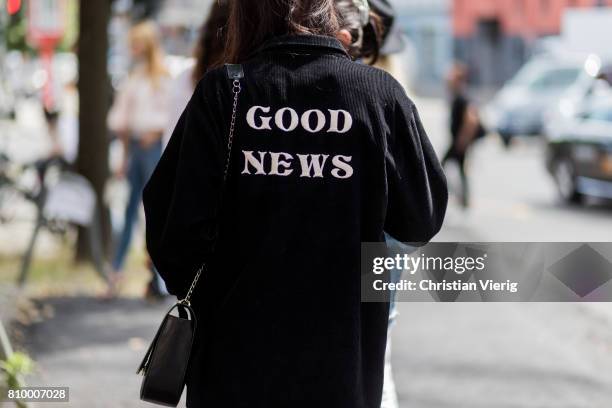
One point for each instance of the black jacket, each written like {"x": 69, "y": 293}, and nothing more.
{"x": 281, "y": 323}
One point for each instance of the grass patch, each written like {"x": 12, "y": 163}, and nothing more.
{"x": 60, "y": 275}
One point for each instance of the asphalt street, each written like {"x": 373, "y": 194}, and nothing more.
{"x": 485, "y": 355}
{"x": 472, "y": 355}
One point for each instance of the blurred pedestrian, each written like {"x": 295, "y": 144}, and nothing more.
{"x": 465, "y": 126}
{"x": 139, "y": 118}
{"x": 51, "y": 98}
{"x": 327, "y": 154}
{"x": 209, "y": 51}
{"x": 59, "y": 111}
{"x": 54, "y": 98}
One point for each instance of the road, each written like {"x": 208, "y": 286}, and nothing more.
{"x": 507, "y": 355}
{"x": 444, "y": 355}
{"x": 483, "y": 355}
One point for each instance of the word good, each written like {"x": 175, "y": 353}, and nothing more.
{"x": 288, "y": 120}
{"x": 306, "y": 165}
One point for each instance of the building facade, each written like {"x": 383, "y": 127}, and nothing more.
{"x": 494, "y": 38}
{"x": 427, "y": 26}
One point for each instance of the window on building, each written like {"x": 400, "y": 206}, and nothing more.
{"x": 490, "y": 29}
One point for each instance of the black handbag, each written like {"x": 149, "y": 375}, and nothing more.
{"x": 165, "y": 364}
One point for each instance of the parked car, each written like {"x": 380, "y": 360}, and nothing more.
{"x": 580, "y": 158}
{"x": 518, "y": 108}
{"x": 594, "y": 82}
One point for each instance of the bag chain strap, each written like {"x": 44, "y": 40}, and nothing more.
{"x": 236, "y": 88}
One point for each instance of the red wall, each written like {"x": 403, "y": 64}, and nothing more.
{"x": 525, "y": 18}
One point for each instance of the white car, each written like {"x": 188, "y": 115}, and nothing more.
{"x": 594, "y": 84}
{"x": 518, "y": 108}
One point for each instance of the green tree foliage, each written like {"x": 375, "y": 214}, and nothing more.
{"x": 16, "y": 31}
{"x": 14, "y": 369}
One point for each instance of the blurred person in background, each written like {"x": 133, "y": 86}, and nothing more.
{"x": 465, "y": 126}
{"x": 51, "y": 114}
{"x": 51, "y": 99}
{"x": 59, "y": 100}
{"x": 139, "y": 117}
{"x": 58, "y": 96}
{"x": 208, "y": 52}
{"x": 280, "y": 317}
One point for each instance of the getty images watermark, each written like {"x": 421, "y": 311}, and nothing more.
{"x": 459, "y": 265}
{"x": 490, "y": 272}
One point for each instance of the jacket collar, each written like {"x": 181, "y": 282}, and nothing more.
{"x": 305, "y": 42}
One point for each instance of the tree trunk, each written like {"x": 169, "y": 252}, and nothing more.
{"x": 94, "y": 97}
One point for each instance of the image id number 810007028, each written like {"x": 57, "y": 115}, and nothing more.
{"x": 38, "y": 394}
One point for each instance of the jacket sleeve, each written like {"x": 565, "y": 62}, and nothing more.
{"x": 181, "y": 199}
{"x": 417, "y": 190}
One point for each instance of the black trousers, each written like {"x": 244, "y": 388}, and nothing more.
{"x": 453, "y": 155}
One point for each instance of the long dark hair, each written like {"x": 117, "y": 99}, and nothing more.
{"x": 252, "y": 22}
{"x": 209, "y": 51}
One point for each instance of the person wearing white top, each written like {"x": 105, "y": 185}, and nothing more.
{"x": 139, "y": 117}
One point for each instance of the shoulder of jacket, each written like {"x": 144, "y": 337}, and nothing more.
{"x": 382, "y": 82}
{"x": 210, "y": 82}
{"x": 396, "y": 89}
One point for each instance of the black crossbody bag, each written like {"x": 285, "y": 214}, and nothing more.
{"x": 165, "y": 364}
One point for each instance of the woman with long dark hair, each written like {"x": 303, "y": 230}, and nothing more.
{"x": 328, "y": 153}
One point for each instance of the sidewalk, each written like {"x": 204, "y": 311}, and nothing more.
{"x": 93, "y": 347}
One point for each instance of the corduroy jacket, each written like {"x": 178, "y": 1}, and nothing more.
{"x": 328, "y": 153}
